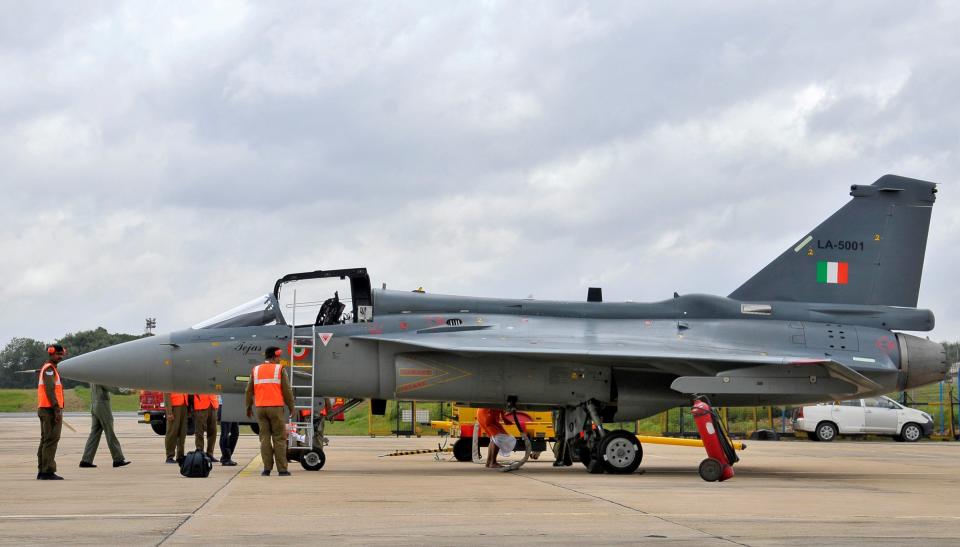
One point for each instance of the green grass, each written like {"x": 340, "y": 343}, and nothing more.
{"x": 76, "y": 399}
{"x": 358, "y": 422}
{"x": 18, "y": 400}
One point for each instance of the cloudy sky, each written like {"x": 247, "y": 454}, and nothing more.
{"x": 174, "y": 159}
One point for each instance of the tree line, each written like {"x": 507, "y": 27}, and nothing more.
{"x": 28, "y": 354}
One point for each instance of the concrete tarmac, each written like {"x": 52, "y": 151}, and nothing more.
{"x": 785, "y": 493}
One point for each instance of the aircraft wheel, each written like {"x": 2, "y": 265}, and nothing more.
{"x": 160, "y": 428}
{"x": 620, "y": 452}
{"x": 462, "y": 448}
{"x": 826, "y": 432}
{"x": 911, "y": 433}
{"x": 711, "y": 470}
{"x": 313, "y": 460}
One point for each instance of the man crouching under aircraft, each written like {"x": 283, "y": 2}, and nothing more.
{"x": 501, "y": 444}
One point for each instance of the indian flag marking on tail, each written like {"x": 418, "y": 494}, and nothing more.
{"x": 832, "y": 272}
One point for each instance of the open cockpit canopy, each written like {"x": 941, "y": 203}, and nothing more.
{"x": 319, "y": 297}
{"x": 258, "y": 312}
{"x": 325, "y": 297}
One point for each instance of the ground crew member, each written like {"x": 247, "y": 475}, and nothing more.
{"x": 50, "y": 411}
{"x": 176, "y": 405}
{"x": 229, "y": 435}
{"x": 490, "y": 422}
{"x": 269, "y": 389}
{"x": 101, "y": 422}
{"x": 205, "y": 421}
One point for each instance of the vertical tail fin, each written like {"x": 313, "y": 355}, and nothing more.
{"x": 869, "y": 252}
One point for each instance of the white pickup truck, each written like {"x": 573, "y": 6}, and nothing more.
{"x": 872, "y": 416}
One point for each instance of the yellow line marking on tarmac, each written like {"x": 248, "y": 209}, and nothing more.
{"x": 256, "y": 462}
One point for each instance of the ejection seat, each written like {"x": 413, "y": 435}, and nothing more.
{"x": 330, "y": 311}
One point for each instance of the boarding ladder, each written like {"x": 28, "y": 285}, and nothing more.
{"x": 301, "y": 382}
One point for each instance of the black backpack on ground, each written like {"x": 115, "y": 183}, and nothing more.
{"x": 196, "y": 464}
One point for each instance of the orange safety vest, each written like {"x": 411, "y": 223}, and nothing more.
{"x": 42, "y": 400}
{"x": 266, "y": 385}
{"x": 178, "y": 399}
{"x": 489, "y": 420}
{"x": 203, "y": 402}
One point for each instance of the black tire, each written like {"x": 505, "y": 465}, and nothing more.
{"x": 590, "y": 457}
{"x": 826, "y": 431}
{"x": 911, "y": 432}
{"x": 255, "y": 427}
{"x": 594, "y": 466}
{"x": 711, "y": 470}
{"x": 812, "y": 436}
{"x": 620, "y": 452}
{"x": 313, "y": 460}
{"x": 159, "y": 427}
{"x": 586, "y": 456}
{"x": 462, "y": 448}
{"x": 582, "y": 452}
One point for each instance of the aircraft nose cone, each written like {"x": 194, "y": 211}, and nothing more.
{"x": 134, "y": 364}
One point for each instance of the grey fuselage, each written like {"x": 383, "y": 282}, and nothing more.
{"x": 546, "y": 354}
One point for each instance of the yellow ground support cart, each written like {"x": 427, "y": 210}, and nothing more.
{"x": 538, "y": 425}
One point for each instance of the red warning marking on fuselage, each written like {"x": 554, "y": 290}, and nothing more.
{"x": 412, "y": 386}
{"x": 324, "y": 337}
{"x": 885, "y": 344}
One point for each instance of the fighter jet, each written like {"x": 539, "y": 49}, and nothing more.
{"x": 821, "y": 322}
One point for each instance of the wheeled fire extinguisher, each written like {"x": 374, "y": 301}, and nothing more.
{"x": 720, "y": 453}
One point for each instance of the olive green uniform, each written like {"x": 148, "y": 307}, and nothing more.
{"x": 176, "y": 435}
{"x": 101, "y": 422}
{"x": 205, "y": 422}
{"x": 51, "y": 422}
{"x": 273, "y": 425}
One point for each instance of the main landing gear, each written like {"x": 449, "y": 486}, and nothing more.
{"x": 617, "y": 452}
{"x": 582, "y": 437}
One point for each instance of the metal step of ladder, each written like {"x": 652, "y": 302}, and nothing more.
{"x": 301, "y": 382}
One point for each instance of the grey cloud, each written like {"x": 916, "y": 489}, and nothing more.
{"x": 489, "y": 149}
